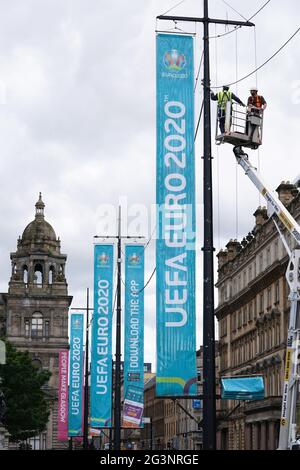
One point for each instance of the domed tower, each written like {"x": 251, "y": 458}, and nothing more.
{"x": 37, "y": 302}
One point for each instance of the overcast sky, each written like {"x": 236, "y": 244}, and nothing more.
{"x": 77, "y": 119}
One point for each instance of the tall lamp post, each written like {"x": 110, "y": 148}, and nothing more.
{"x": 86, "y": 374}
{"x": 209, "y": 398}
{"x": 117, "y": 394}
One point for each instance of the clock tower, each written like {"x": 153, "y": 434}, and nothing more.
{"x": 37, "y": 306}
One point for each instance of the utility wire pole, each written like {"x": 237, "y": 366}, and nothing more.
{"x": 86, "y": 374}
{"x": 209, "y": 373}
{"x": 117, "y": 402}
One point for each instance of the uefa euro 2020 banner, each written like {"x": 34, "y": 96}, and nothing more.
{"x": 101, "y": 362}
{"x": 134, "y": 337}
{"x": 75, "y": 424}
{"x": 175, "y": 199}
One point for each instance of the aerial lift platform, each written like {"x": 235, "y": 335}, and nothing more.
{"x": 245, "y": 130}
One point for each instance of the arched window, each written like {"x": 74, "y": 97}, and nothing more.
{"x": 51, "y": 274}
{"x": 25, "y": 274}
{"x": 37, "y": 325}
{"x": 38, "y": 275}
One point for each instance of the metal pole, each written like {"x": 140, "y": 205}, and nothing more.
{"x": 209, "y": 404}
{"x": 117, "y": 414}
{"x": 112, "y": 400}
{"x": 86, "y": 380}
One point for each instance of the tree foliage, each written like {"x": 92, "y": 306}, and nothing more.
{"x": 27, "y": 408}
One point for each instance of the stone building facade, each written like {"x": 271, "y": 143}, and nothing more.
{"x": 34, "y": 311}
{"x": 253, "y": 318}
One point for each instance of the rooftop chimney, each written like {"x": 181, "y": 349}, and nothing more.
{"x": 233, "y": 248}
{"x": 222, "y": 258}
{"x": 260, "y": 215}
{"x": 286, "y": 192}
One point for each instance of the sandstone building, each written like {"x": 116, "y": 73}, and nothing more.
{"x": 34, "y": 311}
{"x": 253, "y": 319}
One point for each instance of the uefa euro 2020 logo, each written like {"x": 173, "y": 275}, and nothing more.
{"x": 174, "y": 60}
{"x": 103, "y": 259}
{"x": 134, "y": 259}
{"x": 77, "y": 324}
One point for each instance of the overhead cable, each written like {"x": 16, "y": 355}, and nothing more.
{"x": 237, "y": 27}
{"x": 234, "y": 10}
{"x": 198, "y": 73}
{"x": 262, "y": 65}
{"x": 148, "y": 282}
{"x": 199, "y": 119}
{"x": 177, "y": 4}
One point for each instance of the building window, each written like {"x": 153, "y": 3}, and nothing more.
{"x": 240, "y": 319}
{"x": 234, "y": 322}
{"x": 47, "y": 328}
{"x": 268, "y": 256}
{"x": 266, "y": 340}
{"x": 51, "y": 275}
{"x": 277, "y": 329}
{"x": 25, "y": 274}
{"x": 261, "y": 303}
{"x": 245, "y": 279}
{"x": 27, "y": 328}
{"x": 245, "y": 316}
{"x": 276, "y": 250}
{"x": 250, "y": 312}
{"x": 277, "y": 292}
{"x": 261, "y": 262}
{"x": 37, "y": 325}
{"x": 223, "y": 326}
{"x": 38, "y": 275}
{"x": 250, "y": 273}
{"x": 38, "y": 442}
{"x": 269, "y": 297}
{"x": 254, "y": 310}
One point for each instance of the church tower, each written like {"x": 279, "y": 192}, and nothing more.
{"x": 37, "y": 305}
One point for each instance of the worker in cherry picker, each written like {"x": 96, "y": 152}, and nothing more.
{"x": 222, "y": 97}
{"x": 255, "y": 101}
{"x": 256, "y": 104}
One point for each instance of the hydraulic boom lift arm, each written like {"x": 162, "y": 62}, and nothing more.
{"x": 288, "y": 424}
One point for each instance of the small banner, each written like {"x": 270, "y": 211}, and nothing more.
{"x": 175, "y": 198}
{"x": 76, "y": 376}
{"x": 101, "y": 364}
{"x": 62, "y": 425}
{"x": 134, "y": 337}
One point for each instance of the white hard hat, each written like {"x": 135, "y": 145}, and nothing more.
{"x": 254, "y": 88}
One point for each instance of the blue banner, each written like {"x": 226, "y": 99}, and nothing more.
{"x": 75, "y": 424}
{"x": 175, "y": 199}
{"x": 134, "y": 337}
{"x": 101, "y": 363}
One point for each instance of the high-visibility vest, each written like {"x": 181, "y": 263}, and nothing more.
{"x": 223, "y": 97}
{"x": 257, "y": 101}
